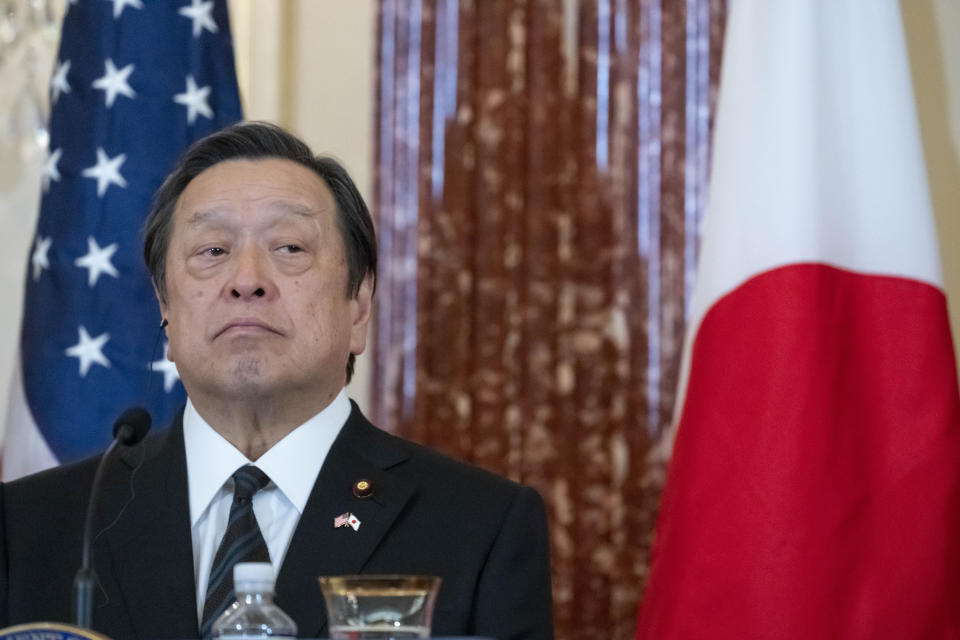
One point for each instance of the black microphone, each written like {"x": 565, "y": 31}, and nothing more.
{"x": 129, "y": 429}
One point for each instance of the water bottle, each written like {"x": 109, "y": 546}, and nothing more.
{"x": 254, "y": 615}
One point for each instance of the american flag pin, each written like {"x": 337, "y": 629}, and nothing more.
{"x": 346, "y": 520}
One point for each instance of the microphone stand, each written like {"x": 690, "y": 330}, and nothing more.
{"x": 86, "y": 578}
{"x": 130, "y": 428}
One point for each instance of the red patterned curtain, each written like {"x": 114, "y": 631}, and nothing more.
{"x": 541, "y": 174}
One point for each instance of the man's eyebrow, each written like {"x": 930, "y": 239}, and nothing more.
{"x": 299, "y": 209}
{"x": 200, "y": 217}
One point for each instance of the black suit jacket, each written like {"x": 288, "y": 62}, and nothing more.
{"x": 485, "y": 536}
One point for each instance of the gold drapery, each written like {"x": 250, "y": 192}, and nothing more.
{"x": 541, "y": 171}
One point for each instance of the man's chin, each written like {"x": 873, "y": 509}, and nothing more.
{"x": 243, "y": 380}
{"x": 247, "y": 385}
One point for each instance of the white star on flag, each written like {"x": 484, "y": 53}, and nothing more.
{"x": 89, "y": 351}
{"x": 114, "y": 81}
{"x": 58, "y": 81}
{"x": 195, "y": 100}
{"x": 106, "y": 171}
{"x": 50, "y": 170}
{"x": 120, "y": 5}
{"x": 97, "y": 260}
{"x": 167, "y": 368}
{"x": 40, "y": 259}
{"x": 200, "y": 12}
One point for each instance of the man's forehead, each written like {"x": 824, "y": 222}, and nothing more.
{"x": 276, "y": 186}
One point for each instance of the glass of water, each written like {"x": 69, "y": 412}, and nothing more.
{"x": 379, "y": 607}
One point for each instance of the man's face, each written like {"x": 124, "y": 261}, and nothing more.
{"x": 256, "y": 281}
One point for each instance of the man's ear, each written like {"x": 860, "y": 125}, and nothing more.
{"x": 160, "y": 298}
{"x": 163, "y": 310}
{"x": 361, "y": 308}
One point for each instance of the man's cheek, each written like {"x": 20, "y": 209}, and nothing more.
{"x": 177, "y": 342}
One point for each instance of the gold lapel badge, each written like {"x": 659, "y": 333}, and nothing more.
{"x": 363, "y": 489}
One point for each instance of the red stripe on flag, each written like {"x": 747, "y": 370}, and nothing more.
{"x": 813, "y": 491}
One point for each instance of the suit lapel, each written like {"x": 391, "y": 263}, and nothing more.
{"x": 151, "y": 543}
{"x": 317, "y": 548}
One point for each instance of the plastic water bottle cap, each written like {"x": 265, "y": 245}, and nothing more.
{"x": 253, "y": 576}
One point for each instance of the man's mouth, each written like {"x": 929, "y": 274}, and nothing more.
{"x": 246, "y": 325}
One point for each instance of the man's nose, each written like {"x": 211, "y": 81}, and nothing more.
{"x": 250, "y": 277}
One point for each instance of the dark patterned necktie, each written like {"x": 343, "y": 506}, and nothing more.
{"x": 242, "y": 542}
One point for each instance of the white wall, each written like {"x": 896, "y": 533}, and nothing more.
{"x": 19, "y": 204}
{"x": 931, "y": 28}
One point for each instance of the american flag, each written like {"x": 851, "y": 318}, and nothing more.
{"x": 135, "y": 82}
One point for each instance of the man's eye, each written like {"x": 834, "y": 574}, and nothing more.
{"x": 291, "y": 248}
{"x": 214, "y": 251}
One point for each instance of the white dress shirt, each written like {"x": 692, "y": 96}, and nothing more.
{"x": 292, "y": 465}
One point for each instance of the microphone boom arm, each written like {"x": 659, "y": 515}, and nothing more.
{"x": 129, "y": 429}
{"x": 86, "y": 577}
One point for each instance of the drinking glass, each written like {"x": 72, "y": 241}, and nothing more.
{"x": 379, "y": 607}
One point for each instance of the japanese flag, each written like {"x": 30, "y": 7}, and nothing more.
{"x": 814, "y": 486}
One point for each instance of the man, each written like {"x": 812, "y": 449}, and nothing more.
{"x": 263, "y": 259}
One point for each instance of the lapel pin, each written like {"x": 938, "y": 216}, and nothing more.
{"x": 346, "y": 520}
{"x": 363, "y": 489}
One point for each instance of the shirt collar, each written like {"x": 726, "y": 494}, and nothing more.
{"x": 292, "y": 464}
